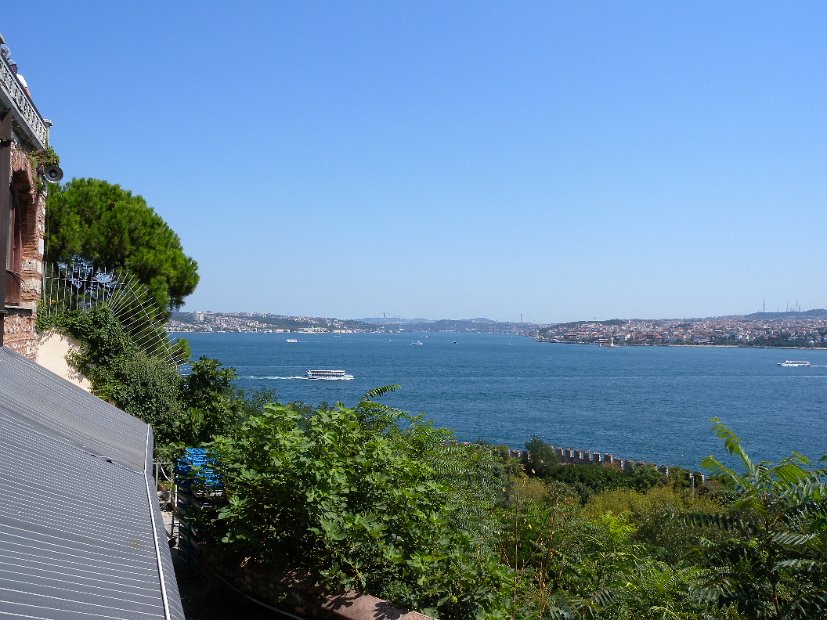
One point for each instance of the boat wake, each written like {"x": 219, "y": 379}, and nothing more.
{"x": 295, "y": 378}
{"x": 271, "y": 378}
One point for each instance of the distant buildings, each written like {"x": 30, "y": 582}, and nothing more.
{"x": 784, "y": 331}
{"x": 251, "y": 322}
{"x": 788, "y": 330}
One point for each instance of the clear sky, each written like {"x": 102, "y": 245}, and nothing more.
{"x": 555, "y": 160}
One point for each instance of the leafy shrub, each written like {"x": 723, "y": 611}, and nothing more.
{"x": 658, "y": 516}
{"x": 182, "y": 410}
{"x": 147, "y": 388}
{"x": 589, "y": 479}
{"x": 539, "y": 459}
{"x": 592, "y": 478}
{"x": 772, "y": 563}
{"x": 212, "y": 402}
{"x": 355, "y": 497}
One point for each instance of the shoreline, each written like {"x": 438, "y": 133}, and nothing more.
{"x": 690, "y": 346}
{"x": 585, "y": 344}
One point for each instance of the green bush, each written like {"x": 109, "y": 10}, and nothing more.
{"x": 365, "y": 498}
{"x": 658, "y": 516}
{"x": 147, "y": 388}
{"x": 539, "y": 459}
{"x": 182, "y": 410}
{"x": 772, "y": 563}
{"x": 212, "y": 402}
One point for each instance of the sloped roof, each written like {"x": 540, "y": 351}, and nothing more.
{"x": 81, "y": 534}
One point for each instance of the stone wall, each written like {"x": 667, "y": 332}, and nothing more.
{"x": 19, "y": 332}
{"x": 569, "y": 456}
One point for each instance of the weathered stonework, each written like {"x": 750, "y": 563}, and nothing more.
{"x": 19, "y": 332}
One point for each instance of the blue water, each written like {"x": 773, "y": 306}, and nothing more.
{"x": 648, "y": 403}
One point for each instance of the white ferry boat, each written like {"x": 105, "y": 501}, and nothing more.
{"x": 292, "y": 340}
{"x": 330, "y": 375}
{"x": 794, "y": 363}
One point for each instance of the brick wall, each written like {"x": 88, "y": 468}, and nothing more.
{"x": 18, "y": 330}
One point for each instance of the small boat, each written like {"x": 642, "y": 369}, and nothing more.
{"x": 292, "y": 340}
{"x": 329, "y": 375}
{"x": 416, "y": 343}
{"x": 794, "y": 363}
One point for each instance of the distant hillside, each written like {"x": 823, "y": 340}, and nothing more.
{"x": 392, "y": 320}
{"x": 816, "y": 313}
{"x": 579, "y": 323}
{"x": 255, "y": 322}
{"x": 401, "y": 321}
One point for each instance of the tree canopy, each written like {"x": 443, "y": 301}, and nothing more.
{"x": 112, "y": 227}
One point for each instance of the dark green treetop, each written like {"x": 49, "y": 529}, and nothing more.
{"x": 114, "y": 228}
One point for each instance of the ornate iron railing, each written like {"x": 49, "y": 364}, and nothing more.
{"x": 78, "y": 284}
{"x": 27, "y": 120}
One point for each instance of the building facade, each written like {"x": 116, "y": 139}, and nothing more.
{"x": 24, "y": 137}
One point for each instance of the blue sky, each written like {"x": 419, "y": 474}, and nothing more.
{"x": 559, "y": 161}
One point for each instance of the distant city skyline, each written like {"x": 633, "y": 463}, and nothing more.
{"x": 789, "y": 329}
{"x": 453, "y": 160}
{"x": 521, "y": 319}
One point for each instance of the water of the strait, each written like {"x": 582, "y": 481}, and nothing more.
{"x": 643, "y": 403}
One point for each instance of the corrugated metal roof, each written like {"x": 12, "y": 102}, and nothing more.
{"x": 81, "y": 534}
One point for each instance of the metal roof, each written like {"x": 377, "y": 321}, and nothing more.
{"x": 81, "y": 534}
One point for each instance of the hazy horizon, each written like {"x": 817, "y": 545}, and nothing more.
{"x": 412, "y": 319}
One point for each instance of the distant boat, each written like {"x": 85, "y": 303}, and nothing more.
{"x": 292, "y": 340}
{"x": 416, "y": 343}
{"x": 794, "y": 363}
{"x": 454, "y": 342}
{"x": 329, "y": 375}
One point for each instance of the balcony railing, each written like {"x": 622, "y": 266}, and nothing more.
{"x": 28, "y": 123}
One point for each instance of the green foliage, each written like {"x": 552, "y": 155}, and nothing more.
{"x": 591, "y": 479}
{"x": 45, "y": 157}
{"x": 113, "y": 228}
{"x": 658, "y": 515}
{"x": 539, "y": 542}
{"x": 212, "y": 402}
{"x": 144, "y": 386}
{"x": 568, "y": 567}
{"x": 773, "y": 561}
{"x": 182, "y": 410}
{"x": 358, "y": 498}
{"x": 590, "y": 562}
{"x": 102, "y": 337}
{"x": 656, "y": 590}
{"x": 42, "y": 158}
{"x": 372, "y": 499}
{"x": 539, "y": 458}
